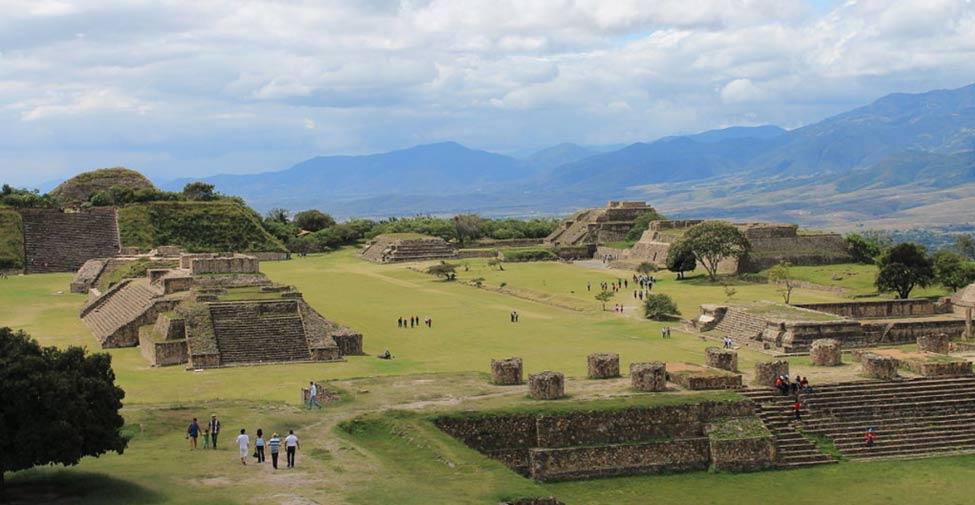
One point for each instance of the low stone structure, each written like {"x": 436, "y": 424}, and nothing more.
{"x": 401, "y": 247}
{"x": 697, "y": 378}
{"x": 324, "y": 395}
{"x": 649, "y": 376}
{"x": 741, "y": 444}
{"x": 220, "y": 264}
{"x": 767, "y": 371}
{"x": 724, "y": 359}
{"x": 878, "y": 366}
{"x": 939, "y": 343}
{"x": 604, "y": 365}
{"x": 826, "y": 352}
{"x": 507, "y": 371}
{"x": 878, "y": 309}
{"x": 600, "y": 225}
{"x": 546, "y": 385}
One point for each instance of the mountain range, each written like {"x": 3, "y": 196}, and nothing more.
{"x": 903, "y": 159}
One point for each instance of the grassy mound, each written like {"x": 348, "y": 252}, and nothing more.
{"x": 224, "y": 225}
{"x": 11, "y": 239}
{"x": 80, "y": 187}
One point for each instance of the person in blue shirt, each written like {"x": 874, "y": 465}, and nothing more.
{"x": 192, "y": 433}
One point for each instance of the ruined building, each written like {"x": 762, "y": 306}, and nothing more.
{"x": 597, "y": 226}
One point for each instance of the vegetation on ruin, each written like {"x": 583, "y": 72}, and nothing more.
{"x": 642, "y": 224}
{"x": 522, "y": 254}
{"x": 134, "y": 270}
{"x": 11, "y": 239}
{"x": 713, "y": 241}
{"x": 82, "y": 187}
{"x": 223, "y": 225}
{"x": 737, "y": 427}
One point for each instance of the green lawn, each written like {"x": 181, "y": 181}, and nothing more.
{"x": 399, "y": 458}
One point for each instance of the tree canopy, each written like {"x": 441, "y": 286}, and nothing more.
{"x": 642, "y": 223}
{"x": 713, "y": 241}
{"x": 199, "y": 191}
{"x": 680, "y": 258}
{"x": 904, "y": 267}
{"x": 313, "y": 220}
{"x": 952, "y": 271}
{"x": 58, "y": 405}
{"x": 659, "y": 307}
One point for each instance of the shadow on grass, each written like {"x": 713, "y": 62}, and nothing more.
{"x": 62, "y": 486}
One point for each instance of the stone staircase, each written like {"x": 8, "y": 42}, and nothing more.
{"x": 420, "y": 250}
{"x": 912, "y": 418}
{"x": 56, "y": 241}
{"x": 109, "y": 315}
{"x": 741, "y": 325}
{"x": 573, "y": 233}
{"x": 793, "y": 449}
{"x": 259, "y": 332}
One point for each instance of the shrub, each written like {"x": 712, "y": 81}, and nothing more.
{"x": 659, "y": 307}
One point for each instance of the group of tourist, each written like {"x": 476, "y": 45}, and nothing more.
{"x": 618, "y": 308}
{"x": 414, "y": 321}
{"x": 728, "y": 342}
{"x": 665, "y": 332}
{"x": 794, "y": 387}
{"x": 212, "y": 429}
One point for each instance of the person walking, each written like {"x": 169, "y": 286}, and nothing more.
{"x": 214, "y": 429}
{"x": 192, "y": 432}
{"x": 259, "y": 445}
{"x": 797, "y": 408}
{"x": 313, "y": 396}
{"x": 206, "y": 437}
{"x": 275, "y": 444}
{"x": 244, "y": 442}
{"x": 291, "y": 445}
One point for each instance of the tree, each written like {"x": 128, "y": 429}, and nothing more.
{"x": 313, "y": 220}
{"x": 468, "y": 227}
{"x": 659, "y": 307}
{"x": 58, "y": 405}
{"x": 642, "y": 224}
{"x": 952, "y": 271}
{"x": 199, "y": 192}
{"x": 444, "y": 269}
{"x": 604, "y": 296}
{"x": 277, "y": 215}
{"x": 713, "y": 241}
{"x": 863, "y": 249}
{"x": 965, "y": 245}
{"x": 903, "y": 267}
{"x": 780, "y": 275}
{"x": 680, "y": 258}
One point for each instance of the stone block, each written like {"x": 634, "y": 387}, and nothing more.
{"x": 934, "y": 343}
{"x": 506, "y": 371}
{"x": 604, "y": 365}
{"x": 721, "y": 358}
{"x": 767, "y": 371}
{"x": 649, "y": 376}
{"x": 877, "y": 366}
{"x": 825, "y": 352}
{"x": 546, "y": 385}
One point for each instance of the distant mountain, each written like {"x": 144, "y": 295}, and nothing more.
{"x": 739, "y": 132}
{"x": 557, "y": 155}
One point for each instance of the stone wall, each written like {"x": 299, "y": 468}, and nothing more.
{"x": 954, "y": 368}
{"x": 878, "y": 366}
{"x": 721, "y": 358}
{"x": 937, "y": 343}
{"x": 882, "y": 309}
{"x": 649, "y": 376}
{"x": 546, "y": 385}
{"x": 163, "y": 353}
{"x": 56, "y": 241}
{"x": 826, "y": 352}
{"x": 619, "y": 460}
{"x": 349, "y": 342}
{"x": 271, "y": 255}
{"x": 742, "y": 454}
{"x": 603, "y": 365}
{"x": 715, "y": 379}
{"x": 767, "y": 371}
{"x": 232, "y": 265}
{"x": 506, "y": 371}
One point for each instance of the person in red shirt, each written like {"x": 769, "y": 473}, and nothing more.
{"x": 797, "y": 408}
{"x": 870, "y": 437}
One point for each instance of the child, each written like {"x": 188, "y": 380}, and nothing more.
{"x": 206, "y": 438}
{"x": 870, "y": 437}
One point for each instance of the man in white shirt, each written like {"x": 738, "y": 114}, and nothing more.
{"x": 291, "y": 445}
{"x": 244, "y": 441}
{"x": 313, "y": 395}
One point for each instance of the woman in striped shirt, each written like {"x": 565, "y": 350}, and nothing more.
{"x": 275, "y": 444}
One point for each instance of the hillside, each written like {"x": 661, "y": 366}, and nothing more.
{"x": 11, "y": 239}
{"x": 81, "y": 187}
{"x": 196, "y": 226}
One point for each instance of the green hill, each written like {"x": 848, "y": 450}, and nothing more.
{"x": 11, "y": 239}
{"x": 81, "y": 187}
{"x": 223, "y": 225}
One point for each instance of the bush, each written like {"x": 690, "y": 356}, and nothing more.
{"x": 529, "y": 254}
{"x": 659, "y": 307}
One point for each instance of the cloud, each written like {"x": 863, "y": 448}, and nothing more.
{"x": 222, "y": 86}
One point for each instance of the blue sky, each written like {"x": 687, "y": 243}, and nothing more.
{"x": 181, "y": 88}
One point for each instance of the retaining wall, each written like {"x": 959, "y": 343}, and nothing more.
{"x": 882, "y": 309}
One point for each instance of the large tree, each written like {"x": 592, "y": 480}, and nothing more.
{"x": 57, "y": 405}
{"x": 713, "y": 241}
{"x": 660, "y": 307}
{"x": 199, "y": 191}
{"x": 680, "y": 258}
{"x": 903, "y": 267}
{"x": 468, "y": 227}
{"x": 952, "y": 271}
{"x": 313, "y": 220}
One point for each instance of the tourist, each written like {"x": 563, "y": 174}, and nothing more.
{"x": 797, "y": 408}
{"x": 259, "y": 446}
{"x": 275, "y": 444}
{"x": 668, "y": 331}
{"x": 869, "y": 438}
{"x": 782, "y": 385}
{"x": 291, "y": 445}
{"x": 411, "y": 321}
{"x": 805, "y": 385}
{"x": 634, "y": 295}
{"x": 192, "y": 432}
{"x": 214, "y": 429}
{"x": 313, "y": 396}
{"x": 641, "y": 295}
{"x": 588, "y": 286}
{"x": 244, "y": 442}
{"x": 206, "y": 437}
{"x": 795, "y": 386}
{"x": 663, "y": 332}
{"x": 385, "y": 355}
{"x": 626, "y": 283}
{"x": 399, "y": 323}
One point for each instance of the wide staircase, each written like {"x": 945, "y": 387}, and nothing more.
{"x": 56, "y": 241}
{"x": 911, "y": 418}
{"x": 259, "y": 332}
{"x": 421, "y": 250}
{"x": 740, "y": 325}
{"x": 793, "y": 449}
{"x": 118, "y": 307}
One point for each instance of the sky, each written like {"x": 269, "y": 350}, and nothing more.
{"x": 189, "y": 88}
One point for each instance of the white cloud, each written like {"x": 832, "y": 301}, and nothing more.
{"x": 192, "y": 79}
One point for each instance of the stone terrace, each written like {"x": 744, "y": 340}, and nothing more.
{"x": 115, "y": 316}
{"x": 912, "y": 418}
{"x": 56, "y": 241}
{"x": 393, "y": 248}
{"x": 259, "y": 332}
